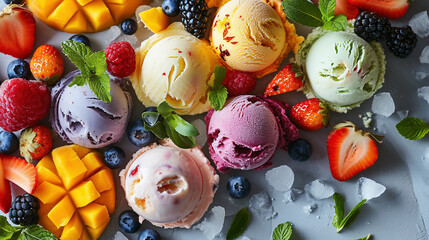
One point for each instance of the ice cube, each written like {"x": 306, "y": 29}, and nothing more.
{"x": 383, "y": 104}
{"x": 112, "y": 34}
{"x": 421, "y": 75}
{"x": 402, "y": 114}
{"x": 423, "y": 92}
{"x": 140, "y": 9}
{"x": 369, "y": 189}
{"x": 291, "y": 195}
{"x": 212, "y": 225}
{"x": 261, "y": 206}
{"x": 308, "y": 209}
{"x": 318, "y": 190}
{"x": 280, "y": 178}
{"x": 128, "y": 38}
{"x": 200, "y": 125}
{"x": 119, "y": 236}
{"x": 420, "y": 24}
{"x": 424, "y": 57}
{"x": 380, "y": 124}
{"x": 425, "y": 158}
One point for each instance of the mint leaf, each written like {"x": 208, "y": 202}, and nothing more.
{"x": 239, "y": 224}
{"x": 283, "y": 231}
{"x": 412, "y": 128}
{"x": 164, "y": 109}
{"x": 77, "y": 52}
{"x": 365, "y": 238}
{"x": 303, "y": 12}
{"x": 35, "y": 232}
{"x": 338, "y": 23}
{"x": 180, "y": 140}
{"x": 339, "y": 210}
{"x": 327, "y": 8}
{"x": 351, "y": 216}
{"x": 100, "y": 85}
{"x": 219, "y": 74}
{"x": 97, "y": 62}
{"x": 78, "y": 80}
{"x": 181, "y": 126}
{"x": 218, "y": 93}
{"x": 6, "y": 230}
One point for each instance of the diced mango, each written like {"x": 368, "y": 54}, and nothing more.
{"x": 61, "y": 214}
{"x": 45, "y": 174}
{"x": 85, "y": 236}
{"x": 98, "y": 13}
{"x": 155, "y": 19}
{"x": 80, "y": 151}
{"x": 49, "y": 193}
{"x": 83, "y": 2}
{"x": 102, "y": 180}
{"x": 73, "y": 230}
{"x": 44, "y": 8}
{"x": 48, "y": 163}
{"x": 63, "y": 13}
{"x": 107, "y": 199}
{"x": 120, "y": 10}
{"x": 46, "y": 222}
{"x": 94, "y": 215}
{"x": 117, "y": 1}
{"x": 84, "y": 194}
{"x": 70, "y": 168}
{"x": 96, "y": 233}
{"x": 93, "y": 162}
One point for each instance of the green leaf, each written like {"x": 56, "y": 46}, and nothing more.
{"x": 339, "y": 210}
{"x": 5, "y": 226}
{"x": 217, "y": 98}
{"x": 327, "y": 8}
{"x": 153, "y": 122}
{"x": 303, "y": 12}
{"x": 219, "y": 76}
{"x": 182, "y": 126}
{"x": 97, "y": 62}
{"x": 338, "y": 23}
{"x": 100, "y": 85}
{"x": 180, "y": 140}
{"x": 77, "y": 52}
{"x": 412, "y": 128}
{"x": 283, "y": 231}
{"x": 351, "y": 216}
{"x": 78, "y": 80}
{"x": 35, "y": 232}
{"x": 239, "y": 224}
{"x": 365, "y": 238}
{"x": 164, "y": 109}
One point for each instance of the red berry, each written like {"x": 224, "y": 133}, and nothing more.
{"x": 285, "y": 81}
{"x": 121, "y": 59}
{"x": 22, "y": 103}
{"x": 239, "y": 83}
{"x": 310, "y": 115}
{"x": 35, "y": 142}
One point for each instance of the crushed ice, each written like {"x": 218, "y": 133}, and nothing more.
{"x": 420, "y": 24}
{"x": 369, "y": 189}
{"x": 212, "y": 225}
{"x": 280, "y": 178}
{"x": 383, "y": 104}
{"x": 318, "y": 190}
{"x": 423, "y": 92}
{"x": 260, "y": 205}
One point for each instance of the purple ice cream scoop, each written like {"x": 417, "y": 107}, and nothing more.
{"x": 79, "y": 117}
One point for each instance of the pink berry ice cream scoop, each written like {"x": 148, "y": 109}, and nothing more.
{"x": 247, "y": 131}
{"x": 169, "y": 186}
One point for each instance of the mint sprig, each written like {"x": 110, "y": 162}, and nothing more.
{"x": 165, "y": 123}
{"x": 365, "y": 238}
{"x": 283, "y": 231}
{"x": 412, "y": 128}
{"x": 218, "y": 93}
{"x": 92, "y": 66}
{"x": 239, "y": 224}
{"x": 339, "y": 222}
{"x": 31, "y": 232}
{"x": 308, "y": 14}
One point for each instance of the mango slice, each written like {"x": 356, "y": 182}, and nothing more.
{"x": 84, "y": 194}
{"x": 94, "y": 215}
{"x": 155, "y": 19}
{"x": 49, "y": 193}
{"x": 102, "y": 180}
{"x": 107, "y": 199}
{"x": 73, "y": 230}
{"x": 48, "y": 175}
{"x": 61, "y": 214}
{"x": 93, "y": 162}
{"x": 70, "y": 168}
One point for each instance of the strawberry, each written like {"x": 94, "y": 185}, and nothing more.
{"x": 17, "y": 29}
{"x": 20, "y": 172}
{"x": 35, "y": 142}
{"x": 47, "y": 65}
{"x": 288, "y": 79}
{"x": 351, "y": 150}
{"x": 343, "y": 7}
{"x": 310, "y": 115}
{"x": 5, "y": 193}
{"x": 392, "y": 9}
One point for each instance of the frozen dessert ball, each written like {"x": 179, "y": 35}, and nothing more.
{"x": 169, "y": 186}
{"x": 342, "y": 69}
{"x": 247, "y": 131}
{"x": 79, "y": 117}
{"x": 176, "y": 67}
{"x": 250, "y": 36}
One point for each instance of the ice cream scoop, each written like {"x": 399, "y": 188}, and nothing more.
{"x": 247, "y": 131}
{"x": 176, "y": 67}
{"x": 169, "y": 186}
{"x": 342, "y": 69}
{"x": 250, "y": 36}
{"x": 79, "y": 117}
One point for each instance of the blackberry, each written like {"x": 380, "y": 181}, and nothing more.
{"x": 24, "y": 210}
{"x": 371, "y": 27}
{"x": 401, "y": 41}
{"x": 194, "y": 16}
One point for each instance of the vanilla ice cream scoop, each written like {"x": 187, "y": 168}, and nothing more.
{"x": 169, "y": 186}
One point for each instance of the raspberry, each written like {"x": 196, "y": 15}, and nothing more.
{"x": 121, "y": 59}
{"x": 22, "y": 103}
{"x": 239, "y": 83}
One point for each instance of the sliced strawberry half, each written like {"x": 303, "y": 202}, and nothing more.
{"x": 20, "y": 172}
{"x": 351, "y": 150}
{"x": 288, "y": 79}
{"x": 5, "y": 193}
{"x": 344, "y": 7}
{"x": 392, "y": 9}
{"x": 17, "y": 29}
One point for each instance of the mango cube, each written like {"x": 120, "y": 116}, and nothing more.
{"x": 94, "y": 215}
{"x": 98, "y": 13}
{"x": 84, "y": 194}
{"x": 80, "y": 151}
{"x": 70, "y": 167}
{"x": 49, "y": 193}
{"x": 85, "y": 236}
{"x": 48, "y": 163}
{"x": 73, "y": 230}
{"x": 155, "y": 19}
{"x": 61, "y": 214}
{"x": 93, "y": 162}
{"x": 102, "y": 180}
{"x": 95, "y": 233}
{"x": 107, "y": 199}
{"x": 45, "y": 174}
{"x": 62, "y": 14}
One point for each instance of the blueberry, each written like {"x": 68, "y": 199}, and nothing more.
{"x": 238, "y": 187}
{"x": 129, "y": 221}
{"x": 129, "y": 26}
{"x": 149, "y": 234}
{"x": 9, "y": 143}
{"x": 138, "y": 135}
{"x": 171, "y": 7}
{"x": 114, "y": 158}
{"x": 12, "y": 1}
{"x": 300, "y": 150}
{"x": 81, "y": 38}
{"x": 18, "y": 68}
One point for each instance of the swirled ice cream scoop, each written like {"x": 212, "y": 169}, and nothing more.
{"x": 169, "y": 186}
